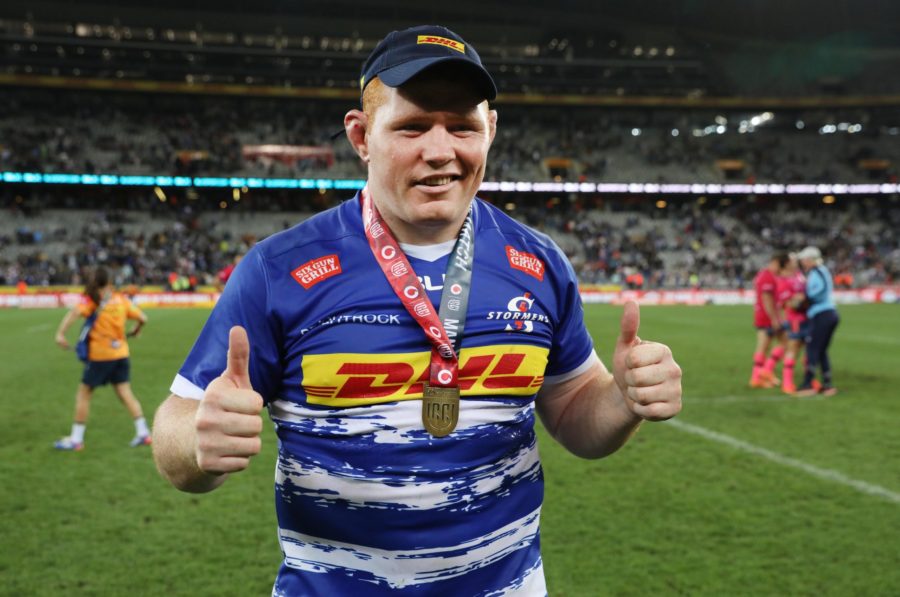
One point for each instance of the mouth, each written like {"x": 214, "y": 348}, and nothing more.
{"x": 437, "y": 182}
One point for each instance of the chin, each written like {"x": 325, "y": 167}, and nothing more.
{"x": 432, "y": 218}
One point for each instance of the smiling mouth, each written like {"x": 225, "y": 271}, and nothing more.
{"x": 437, "y": 181}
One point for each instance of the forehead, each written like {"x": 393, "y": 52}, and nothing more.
{"x": 439, "y": 90}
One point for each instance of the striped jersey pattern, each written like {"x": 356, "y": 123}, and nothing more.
{"x": 368, "y": 503}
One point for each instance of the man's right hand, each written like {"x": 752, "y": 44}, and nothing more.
{"x": 228, "y": 421}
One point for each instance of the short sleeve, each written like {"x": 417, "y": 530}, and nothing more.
{"x": 84, "y": 308}
{"x": 244, "y": 302}
{"x": 572, "y": 345}
{"x": 133, "y": 312}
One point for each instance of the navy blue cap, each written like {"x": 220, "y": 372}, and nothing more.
{"x": 402, "y": 55}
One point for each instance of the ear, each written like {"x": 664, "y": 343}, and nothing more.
{"x": 492, "y": 124}
{"x": 356, "y": 125}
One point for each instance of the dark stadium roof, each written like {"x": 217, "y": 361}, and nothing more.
{"x": 766, "y": 19}
{"x": 692, "y": 48}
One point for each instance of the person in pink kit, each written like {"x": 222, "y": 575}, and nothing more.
{"x": 769, "y": 324}
{"x": 791, "y": 294}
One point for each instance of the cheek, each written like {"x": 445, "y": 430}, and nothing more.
{"x": 475, "y": 156}
{"x": 388, "y": 154}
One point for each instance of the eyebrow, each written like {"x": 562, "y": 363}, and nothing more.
{"x": 423, "y": 111}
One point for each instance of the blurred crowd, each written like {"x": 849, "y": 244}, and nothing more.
{"x": 44, "y": 131}
{"x": 691, "y": 242}
{"x": 723, "y": 243}
{"x": 179, "y": 255}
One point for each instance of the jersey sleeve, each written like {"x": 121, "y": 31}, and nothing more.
{"x": 767, "y": 282}
{"x": 244, "y": 302}
{"x": 84, "y": 308}
{"x": 572, "y": 347}
{"x": 132, "y": 310}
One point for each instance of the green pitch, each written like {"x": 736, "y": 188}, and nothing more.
{"x": 750, "y": 493}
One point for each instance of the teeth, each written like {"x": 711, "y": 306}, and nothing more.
{"x": 436, "y": 182}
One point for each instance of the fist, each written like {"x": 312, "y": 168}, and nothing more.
{"x": 62, "y": 342}
{"x": 228, "y": 421}
{"x": 647, "y": 375}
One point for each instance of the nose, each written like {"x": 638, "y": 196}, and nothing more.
{"x": 438, "y": 147}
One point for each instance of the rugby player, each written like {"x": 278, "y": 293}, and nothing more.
{"x": 405, "y": 412}
{"x": 769, "y": 324}
{"x": 791, "y": 295}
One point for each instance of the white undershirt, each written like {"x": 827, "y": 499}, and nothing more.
{"x": 428, "y": 252}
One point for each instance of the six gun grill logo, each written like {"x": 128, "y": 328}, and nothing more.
{"x": 312, "y": 272}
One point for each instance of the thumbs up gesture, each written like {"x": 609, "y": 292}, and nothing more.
{"x": 228, "y": 421}
{"x": 645, "y": 372}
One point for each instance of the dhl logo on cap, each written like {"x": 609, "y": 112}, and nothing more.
{"x": 441, "y": 41}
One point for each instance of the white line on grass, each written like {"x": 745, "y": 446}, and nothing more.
{"x": 876, "y": 339}
{"x": 38, "y": 328}
{"x": 733, "y": 399}
{"x": 815, "y": 471}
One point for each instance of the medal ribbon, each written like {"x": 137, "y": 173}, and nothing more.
{"x": 444, "y": 329}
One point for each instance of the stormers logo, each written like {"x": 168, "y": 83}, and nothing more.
{"x": 441, "y": 41}
{"x": 518, "y": 313}
{"x": 350, "y": 379}
{"x": 520, "y": 304}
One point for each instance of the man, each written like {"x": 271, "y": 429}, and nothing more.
{"x": 360, "y": 330}
{"x": 768, "y": 323}
{"x": 791, "y": 293}
{"x": 823, "y": 321}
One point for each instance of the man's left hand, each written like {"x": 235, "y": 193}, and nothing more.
{"x": 645, "y": 372}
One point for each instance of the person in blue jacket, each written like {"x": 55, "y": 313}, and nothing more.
{"x": 823, "y": 318}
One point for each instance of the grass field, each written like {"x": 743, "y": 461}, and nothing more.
{"x": 746, "y": 493}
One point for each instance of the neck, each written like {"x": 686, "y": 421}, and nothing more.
{"x": 423, "y": 234}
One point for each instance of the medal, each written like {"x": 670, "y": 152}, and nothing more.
{"x": 444, "y": 329}
{"x": 440, "y": 409}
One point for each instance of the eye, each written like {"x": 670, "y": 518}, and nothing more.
{"x": 465, "y": 128}
{"x": 411, "y": 127}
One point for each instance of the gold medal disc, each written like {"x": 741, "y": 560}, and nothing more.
{"x": 440, "y": 409}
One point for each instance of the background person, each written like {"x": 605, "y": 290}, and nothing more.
{"x": 823, "y": 318}
{"x": 108, "y": 356}
{"x": 225, "y": 273}
{"x": 769, "y": 324}
{"x": 326, "y": 324}
{"x": 792, "y": 294}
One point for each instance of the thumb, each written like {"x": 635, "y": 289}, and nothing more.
{"x": 237, "y": 368}
{"x": 628, "y": 329}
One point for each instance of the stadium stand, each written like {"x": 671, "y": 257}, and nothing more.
{"x": 723, "y": 243}
{"x": 193, "y": 135}
{"x": 207, "y": 91}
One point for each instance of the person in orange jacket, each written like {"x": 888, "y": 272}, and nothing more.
{"x": 107, "y": 355}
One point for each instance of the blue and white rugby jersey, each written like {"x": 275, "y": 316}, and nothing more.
{"x": 367, "y": 501}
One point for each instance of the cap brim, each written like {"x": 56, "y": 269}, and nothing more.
{"x": 400, "y": 74}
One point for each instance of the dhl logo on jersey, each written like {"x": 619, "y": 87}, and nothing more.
{"x": 353, "y": 379}
{"x": 441, "y": 41}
